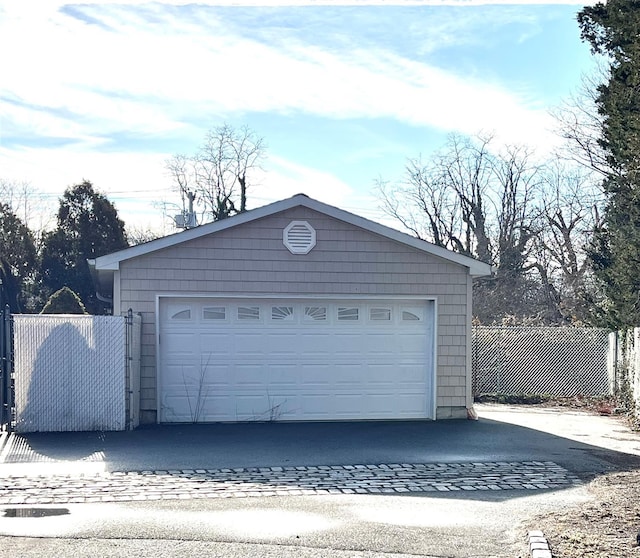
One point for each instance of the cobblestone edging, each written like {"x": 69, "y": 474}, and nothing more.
{"x": 538, "y": 545}
{"x": 394, "y": 478}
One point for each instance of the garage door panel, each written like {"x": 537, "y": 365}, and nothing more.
{"x": 282, "y": 376}
{"x": 410, "y": 344}
{"x": 218, "y": 377}
{"x": 178, "y": 343}
{"x": 382, "y": 343}
{"x": 177, "y": 408}
{"x": 347, "y": 344}
{"x": 408, "y": 402}
{"x": 248, "y": 344}
{"x": 218, "y": 406}
{"x": 409, "y": 372}
{"x": 253, "y": 407}
{"x": 351, "y": 376}
{"x": 349, "y": 404}
{"x": 248, "y": 375}
{"x": 282, "y": 344}
{"x": 216, "y": 343}
{"x": 317, "y": 406}
{"x": 179, "y": 374}
{"x": 303, "y": 366}
{"x": 316, "y": 375}
{"x": 314, "y": 342}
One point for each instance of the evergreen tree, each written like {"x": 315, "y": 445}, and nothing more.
{"x": 17, "y": 259}
{"x": 612, "y": 31}
{"x": 88, "y": 226}
{"x": 64, "y": 301}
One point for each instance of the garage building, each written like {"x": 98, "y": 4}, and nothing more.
{"x": 299, "y": 311}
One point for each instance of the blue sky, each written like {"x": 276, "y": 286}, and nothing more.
{"x": 342, "y": 94}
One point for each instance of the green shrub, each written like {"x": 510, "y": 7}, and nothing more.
{"x": 64, "y": 301}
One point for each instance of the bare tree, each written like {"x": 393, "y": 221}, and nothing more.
{"x": 518, "y": 181}
{"x": 465, "y": 169}
{"x": 218, "y": 176}
{"x": 570, "y": 201}
{"x": 580, "y": 124}
{"x": 19, "y": 196}
{"x": 141, "y": 234}
{"x": 478, "y": 201}
{"x": 423, "y": 206}
{"x": 530, "y": 220}
{"x": 467, "y": 198}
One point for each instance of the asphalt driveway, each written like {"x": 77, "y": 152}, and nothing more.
{"x": 583, "y": 444}
{"x": 166, "y": 462}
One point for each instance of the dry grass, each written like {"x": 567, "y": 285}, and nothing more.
{"x": 606, "y": 527}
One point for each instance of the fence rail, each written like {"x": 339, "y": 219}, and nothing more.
{"x": 540, "y": 360}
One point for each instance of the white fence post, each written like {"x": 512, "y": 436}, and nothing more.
{"x": 612, "y": 362}
{"x": 635, "y": 370}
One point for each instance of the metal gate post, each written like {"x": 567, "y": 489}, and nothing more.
{"x": 128, "y": 328}
{"x": 3, "y": 364}
{"x": 8, "y": 375}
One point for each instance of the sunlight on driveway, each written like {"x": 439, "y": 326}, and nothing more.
{"x": 418, "y": 512}
{"x": 268, "y": 523}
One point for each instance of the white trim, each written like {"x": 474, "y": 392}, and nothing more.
{"x": 469, "y": 348}
{"x": 157, "y": 355}
{"x": 297, "y": 296}
{"x": 434, "y": 379}
{"x": 431, "y": 314}
{"x": 117, "y": 294}
{"x": 111, "y": 262}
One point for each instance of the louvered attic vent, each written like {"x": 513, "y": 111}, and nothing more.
{"x": 299, "y": 237}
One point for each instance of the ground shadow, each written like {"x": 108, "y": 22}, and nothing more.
{"x": 175, "y": 448}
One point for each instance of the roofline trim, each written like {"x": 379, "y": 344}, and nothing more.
{"x": 111, "y": 262}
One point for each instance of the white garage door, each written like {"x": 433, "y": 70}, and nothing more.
{"x": 258, "y": 359}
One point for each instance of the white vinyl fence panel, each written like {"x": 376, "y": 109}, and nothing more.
{"x": 69, "y": 373}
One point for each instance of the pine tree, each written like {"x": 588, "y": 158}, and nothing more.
{"x": 17, "y": 258}
{"x": 88, "y": 226}
{"x": 64, "y": 301}
{"x": 612, "y": 31}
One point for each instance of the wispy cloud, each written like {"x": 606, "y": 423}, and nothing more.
{"x": 143, "y": 69}
{"x": 119, "y": 86}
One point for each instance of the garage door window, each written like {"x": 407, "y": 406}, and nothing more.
{"x": 282, "y": 313}
{"x": 214, "y": 313}
{"x": 182, "y": 314}
{"x": 248, "y": 313}
{"x": 315, "y": 313}
{"x": 411, "y": 316}
{"x": 348, "y": 314}
{"x": 380, "y": 314}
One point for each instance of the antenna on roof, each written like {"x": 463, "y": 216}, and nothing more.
{"x": 187, "y": 219}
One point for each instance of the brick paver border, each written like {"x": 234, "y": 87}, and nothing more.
{"x": 386, "y": 478}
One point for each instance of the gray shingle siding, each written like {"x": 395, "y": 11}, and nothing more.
{"x": 347, "y": 260}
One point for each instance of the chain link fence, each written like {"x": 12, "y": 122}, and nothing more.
{"x": 558, "y": 361}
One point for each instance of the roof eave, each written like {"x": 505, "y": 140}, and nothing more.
{"x": 111, "y": 262}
